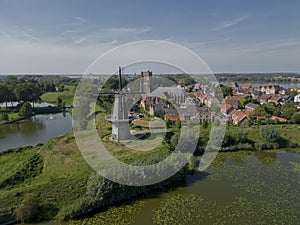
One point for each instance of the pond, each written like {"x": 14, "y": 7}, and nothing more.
{"x": 245, "y": 187}
{"x": 38, "y": 129}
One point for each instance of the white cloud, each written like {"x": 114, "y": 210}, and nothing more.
{"x": 76, "y": 21}
{"x": 229, "y": 23}
{"x": 79, "y": 41}
{"x": 129, "y": 30}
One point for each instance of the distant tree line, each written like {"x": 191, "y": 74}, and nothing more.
{"x": 259, "y": 77}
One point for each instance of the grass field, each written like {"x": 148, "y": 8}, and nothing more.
{"x": 66, "y": 96}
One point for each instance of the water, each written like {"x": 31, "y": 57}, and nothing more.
{"x": 38, "y": 129}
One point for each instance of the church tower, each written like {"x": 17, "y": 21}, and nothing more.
{"x": 145, "y": 82}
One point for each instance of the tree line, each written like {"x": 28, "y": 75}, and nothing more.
{"x": 13, "y": 89}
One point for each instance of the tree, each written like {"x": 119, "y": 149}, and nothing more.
{"x": 26, "y": 110}
{"x": 245, "y": 100}
{"x": 187, "y": 81}
{"x": 28, "y": 92}
{"x": 59, "y": 102}
{"x": 178, "y": 124}
{"x": 3, "y": 93}
{"x": 296, "y": 118}
{"x": 227, "y": 91}
{"x": 293, "y": 93}
{"x": 113, "y": 83}
{"x": 288, "y": 110}
{"x": 4, "y": 117}
{"x": 204, "y": 124}
{"x": 268, "y": 109}
{"x": 28, "y": 210}
{"x": 269, "y": 134}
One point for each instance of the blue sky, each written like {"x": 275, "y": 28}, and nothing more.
{"x": 61, "y": 36}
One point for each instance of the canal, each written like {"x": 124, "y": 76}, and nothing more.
{"x": 38, "y": 129}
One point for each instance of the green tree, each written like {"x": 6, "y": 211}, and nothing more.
{"x": 296, "y": 118}
{"x": 268, "y": 109}
{"x": 187, "y": 81}
{"x": 245, "y": 100}
{"x": 26, "y": 110}
{"x": 28, "y": 210}
{"x": 293, "y": 93}
{"x": 178, "y": 124}
{"x": 3, "y": 117}
{"x": 288, "y": 110}
{"x": 59, "y": 102}
{"x": 269, "y": 134}
{"x": 227, "y": 91}
{"x": 3, "y": 93}
{"x": 28, "y": 92}
{"x": 204, "y": 124}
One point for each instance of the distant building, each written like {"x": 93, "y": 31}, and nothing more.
{"x": 279, "y": 119}
{"x": 226, "y": 109}
{"x": 245, "y": 86}
{"x": 297, "y": 98}
{"x": 145, "y": 82}
{"x": 174, "y": 95}
{"x": 250, "y": 107}
{"x": 172, "y": 115}
{"x": 204, "y": 114}
{"x": 233, "y": 101}
{"x": 240, "y": 118}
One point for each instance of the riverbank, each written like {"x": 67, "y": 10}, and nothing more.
{"x": 16, "y": 117}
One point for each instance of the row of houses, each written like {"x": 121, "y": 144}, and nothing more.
{"x": 189, "y": 99}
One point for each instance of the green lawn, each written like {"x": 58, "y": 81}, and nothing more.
{"x": 66, "y": 96}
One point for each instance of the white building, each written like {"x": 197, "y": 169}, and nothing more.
{"x": 297, "y": 98}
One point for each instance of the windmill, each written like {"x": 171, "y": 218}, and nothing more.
{"x": 119, "y": 117}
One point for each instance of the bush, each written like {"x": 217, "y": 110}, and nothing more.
{"x": 3, "y": 117}
{"x": 26, "y": 110}
{"x": 296, "y": 118}
{"x": 28, "y": 210}
{"x": 269, "y": 134}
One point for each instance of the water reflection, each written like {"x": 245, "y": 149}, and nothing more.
{"x": 266, "y": 157}
{"x": 38, "y": 129}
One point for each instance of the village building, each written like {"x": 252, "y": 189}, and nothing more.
{"x": 297, "y": 98}
{"x": 204, "y": 114}
{"x": 172, "y": 115}
{"x": 240, "y": 118}
{"x": 234, "y": 101}
{"x": 250, "y": 107}
{"x": 278, "y": 119}
{"x": 226, "y": 109}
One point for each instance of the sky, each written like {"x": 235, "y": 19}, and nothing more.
{"x": 65, "y": 37}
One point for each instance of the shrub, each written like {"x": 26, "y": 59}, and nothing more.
{"x": 26, "y": 110}
{"x": 28, "y": 210}
{"x": 269, "y": 134}
{"x": 3, "y": 116}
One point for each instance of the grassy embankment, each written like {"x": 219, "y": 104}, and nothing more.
{"x": 66, "y": 96}
{"x": 59, "y": 176}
